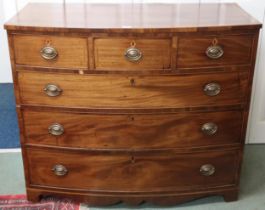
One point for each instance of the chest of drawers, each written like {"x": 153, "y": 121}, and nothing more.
{"x": 134, "y": 102}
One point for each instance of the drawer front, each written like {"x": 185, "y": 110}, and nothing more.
{"x": 51, "y": 51}
{"x": 142, "y": 131}
{"x": 132, "y": 172}
{"x": 132, "y": 54}
{"x": 111, "y": 91}
{"x": 236, "y": 51}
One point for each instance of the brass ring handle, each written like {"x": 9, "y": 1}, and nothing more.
{"x": 209, "y": 128}
{"x": 56, "y": 129}
{"x": 212, "y": 89}
{"x": 133, "y": 54}
{"x": 48, "y": 53}
{"x": 214, "y": 52}
{"x": 207, "y": 170}
{"x": 52, "y": 90}
{"x": 59, "y": 170}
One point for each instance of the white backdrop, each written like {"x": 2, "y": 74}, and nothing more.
{"x": 256, "y": 128}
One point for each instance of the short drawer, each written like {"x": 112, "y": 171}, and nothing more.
{"x": 116, "y": 91}
{"x": 134, "y": 131}
{"x": 51, "y": 51}
{"x": 132, "y": 54}
{"x": 209, "y": 51}
{"x": 131, "y": 172}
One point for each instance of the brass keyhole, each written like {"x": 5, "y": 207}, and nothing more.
{"x": 133, "y": 43}
{"x": 215, "y": 42}
{"x": 48, "y": 42}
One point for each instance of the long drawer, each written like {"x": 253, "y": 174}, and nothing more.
{"x": 132, "y": 172}
{"x": 117, "y": 91}
{"x": 132, "y": 131}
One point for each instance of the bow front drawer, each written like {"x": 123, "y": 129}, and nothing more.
{"x": 127, "y": 131}
{"x": 51, "y": 51}
{"x": 214, "y": 51}
{"x": 117, "y": 91}
{"x": 132, "y": 54}
{"x": 131, "y": 172}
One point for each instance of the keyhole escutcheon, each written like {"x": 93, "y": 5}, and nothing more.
{"x": 132, "y": 159}
{"x": 133, "y": 82}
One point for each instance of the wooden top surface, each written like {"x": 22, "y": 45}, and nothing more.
{"x": 131, "y": 17}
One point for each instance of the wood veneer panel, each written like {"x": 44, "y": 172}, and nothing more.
{"x": 72, "y": 51}
{"x": 109, "y": 53}
{"x": 132, "y": 131}
{"x": 139, "y": 18}
{"x": 237, "y": 50}
{"x": 131, "y": 172}
{"x": 116, "y": 91}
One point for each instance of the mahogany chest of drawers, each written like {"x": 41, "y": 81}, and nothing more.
{"x": 132, "y": 102}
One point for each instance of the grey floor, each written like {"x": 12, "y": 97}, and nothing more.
{"x": 252, "y": 195}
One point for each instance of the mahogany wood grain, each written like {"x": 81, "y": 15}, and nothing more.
{"x": 72, "y": 51}
{"x": 137, "y": 18}
{"x": 18, "y": 108}
{"x": 115, "y": 91}
{"x": 95, "y": 199}
{"x": 237, "y": 50}
{"x": 132, "y": 172}
{"x": 109, "y": 53}
{"x": 134, "y": 131}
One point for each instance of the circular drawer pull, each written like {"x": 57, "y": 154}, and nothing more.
{"x": 52, "y": 90}
{"x": 56, "y": 129}
{"x": 209, "y": 128}
{"x": 207, "y": 170}
{"x": 133, "y": 54}
{"x": 49, "y": 53}
{"x": 60, "y": 170}
{"x": 212, "y": 89}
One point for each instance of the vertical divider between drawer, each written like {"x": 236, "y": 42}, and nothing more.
{"x": 174, "y": 48}
{"x": 91, "y": 57}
